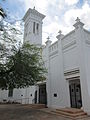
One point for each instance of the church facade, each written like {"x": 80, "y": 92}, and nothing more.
{"x": 67, "y": 61}
{"x": 68, "y": 64}
{"x": 68, "y": 69}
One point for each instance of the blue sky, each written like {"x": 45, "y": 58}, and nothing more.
{"x": 60, "y": 14}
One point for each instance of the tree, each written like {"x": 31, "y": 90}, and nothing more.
{"x": 10, "y": 35}
{"x": 2, "y": 16}
{"x": 23, "y": 69}
{"x": 2, "y": 13}
{"x": 20, "y": 66}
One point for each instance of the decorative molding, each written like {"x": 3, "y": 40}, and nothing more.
{"x": 34, "y": 12}
{"x": 68, "y": 49}
{"x": 56, "y": 42}
{"x": 71, "y": 72}
{"x": 87, "y": 42}
{"x": 51, "y": 57}
{"x": 53, "y": 53}
{"x": 73, "y": 77}
{"x": 53, "y": 47}
{"x": 75, "y": 73}
{"x": 69, "y": 44}
{"x": 68, "y": 34}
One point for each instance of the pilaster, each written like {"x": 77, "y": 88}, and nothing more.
{"x": 64, "y": 87}
{"x": 48, "y": 83}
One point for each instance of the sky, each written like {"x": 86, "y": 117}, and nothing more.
{"x": 60, "y": 14}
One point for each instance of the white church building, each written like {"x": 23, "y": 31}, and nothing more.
{"x": 68, "y": 64}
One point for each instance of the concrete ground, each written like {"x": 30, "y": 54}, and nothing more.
{"x": 21, "y": 112}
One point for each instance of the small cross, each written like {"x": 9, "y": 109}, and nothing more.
{"x": 60, "y": 32}
{"x": 34, "y": 8}
{"x": 77, "y": 20}
{"x": 48, "y": 38}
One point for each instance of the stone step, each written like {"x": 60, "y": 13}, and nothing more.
{"x": 70, "y": 112}
{"x": 66, "y": 116}
{"x": 36, "y": 106}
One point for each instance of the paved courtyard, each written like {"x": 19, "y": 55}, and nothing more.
{"x": 20, "y": 112}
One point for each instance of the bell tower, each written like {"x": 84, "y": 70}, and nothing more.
{"x": 33, "y": 26}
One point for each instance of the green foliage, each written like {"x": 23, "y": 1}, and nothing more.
{"x": 2, "y": 13}
{"x": 20, "y": 66}
{"x": 22, "y": 69}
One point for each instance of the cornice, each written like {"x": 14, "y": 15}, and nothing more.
{"x": 69, "y": 44}
{"x": 34, "y": 12}
{"x": 68, "y": 34}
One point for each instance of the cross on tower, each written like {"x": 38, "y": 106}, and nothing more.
{"x": 77, "y": 20}
{"x": 48, "y": 38}
{"x": 60, "y": 32}
{"x": 34, "y": 7}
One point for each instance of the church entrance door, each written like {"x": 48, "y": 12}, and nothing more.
{"x": 42, "y": 94}
{"x": 75, "y": 93}
{"x": 35, "y": 96}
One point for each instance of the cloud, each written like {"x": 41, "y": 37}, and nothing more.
{"x": 71, "y": 2}
{"x": 83, "y": 13}
{"x": 60, "y": 14}
{"x": 40, "y": 5}
{"x": 65, "y": 21}
{"x": 51, "y": 30}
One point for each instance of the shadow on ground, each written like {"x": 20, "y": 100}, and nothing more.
{"x": 20, "y": 112}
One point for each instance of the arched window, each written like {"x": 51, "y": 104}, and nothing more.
{"x": 34, "y": 27}
{"x": 37, "y": 28}
{"x": 10, "y": 93}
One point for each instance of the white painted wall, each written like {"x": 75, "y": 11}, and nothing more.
{"x": 88, "y": 65}
{"x": 72, "y": 53}
{"x": 55, "y": 80}
{"x": 70, "y": 58}
{"x": 3, "y": 95}
{"x": 83, "y": 58}
{"x": 24, "y": 95}
{"x": 30, "y": 17}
